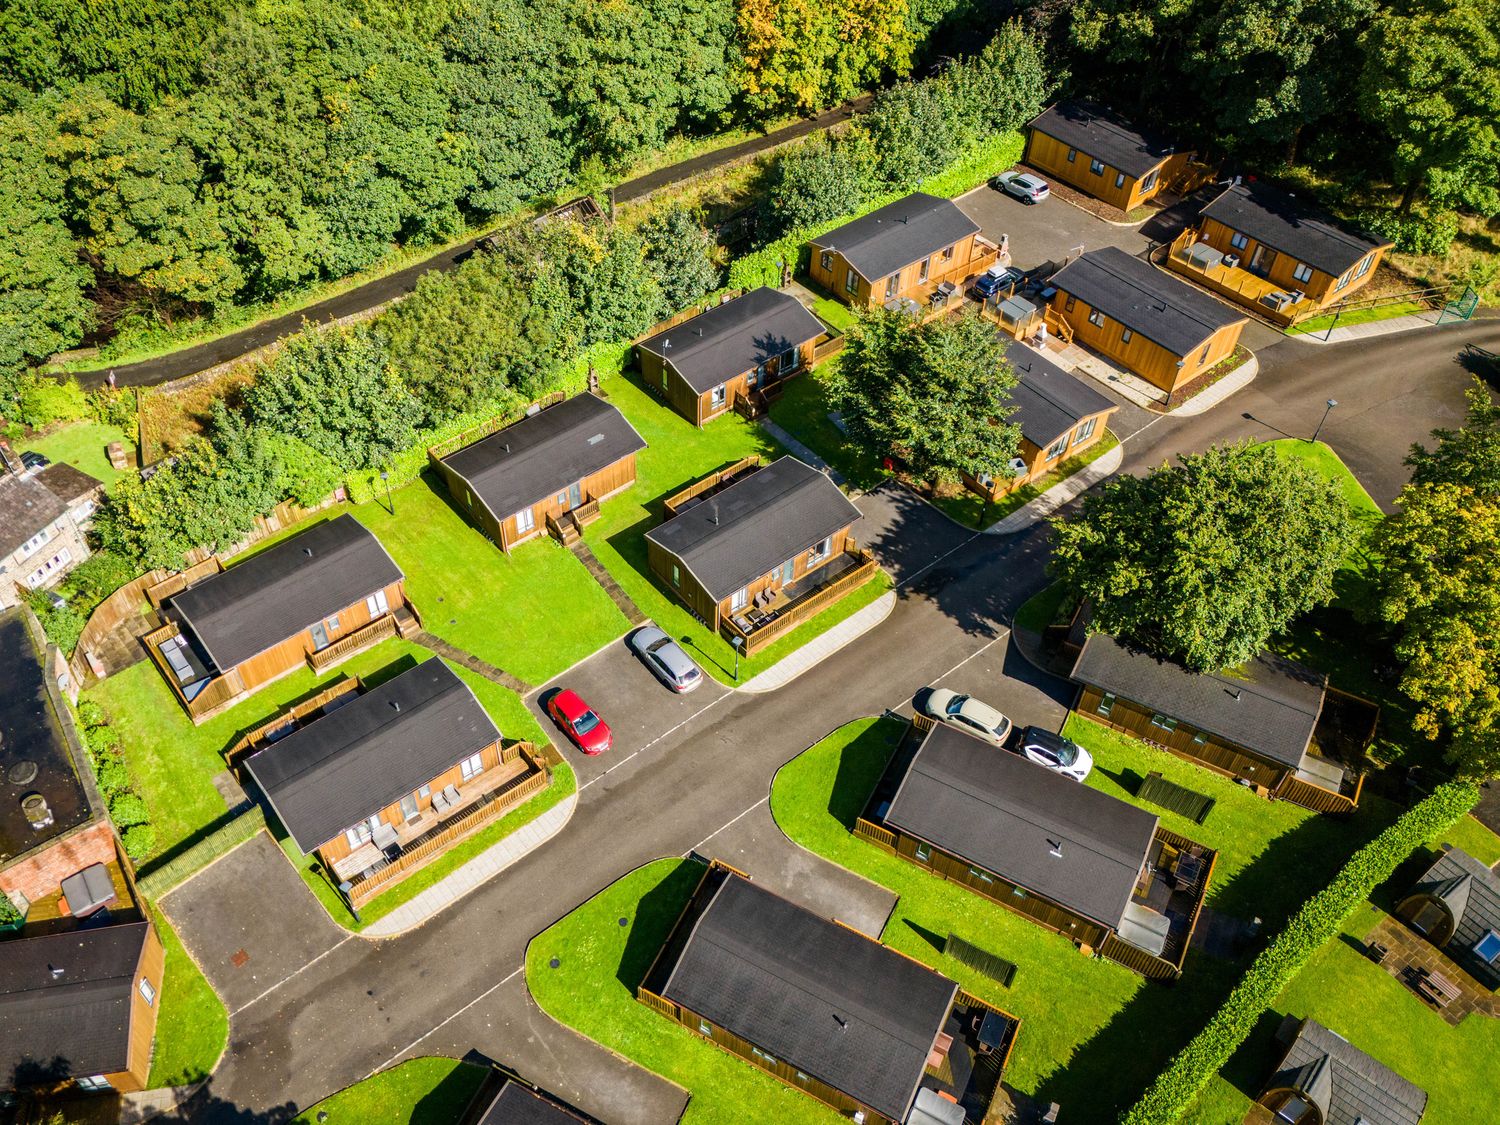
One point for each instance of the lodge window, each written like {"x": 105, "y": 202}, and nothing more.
{"x": 1096, "y": 166}
{"x": 148, "y": 992}
{"x": 1165, "y": 722}
{"x": 851, "y": 282}
{"x": 819, "y": 552}
{"x": 1059, "y": 447}
{"x": 986, "y": 480}
{"x": 770, "y": 1060}
{"x": 333, "y": 623}
{"x": 1239, "y": 241}
{"x": 716, "y": 397}
{"x": 1072, "y": 155}
{"x": 1203, "y": 355}
{"x": 525, "y": 520}
{"x": 471, "y": 766}
{"x": 1106, "y": 704}
{"x": 1119, "y": 179}
{"x": 29, "y": 547}
{"x": 425, "y": 791}
{"x": 789, "y": 361}
{"x": 1302, "y": 272}
{"x": 1200, "y": 738}
{"x": 825, "y": 259}
{"x": 1085, "y": 429}
{"x": 97, "y": 1082}
{"x": 1149, "y": 181}
{"x": 947, "y": 254}
{"x": 801, "y": 1077}
{"x": 926, "y": 264}
{"x": 1096, "y": 318}
{"x": 924, "y": 852}
{"x": 1364, "y": 265}
{"x": 982, "y": 876}
{"x": 676, "y": 575}
{"x": 360, "y": 833}
{"x": 1069, "y": 303}
{"x": 1126, "y": 335}
{"x": 739, "y": 599}
{"x": 892, "y": 285}
{"x": 410, "y": 810}
{"x": 1018, "y": 892}
{"x": 704, "y": 1028}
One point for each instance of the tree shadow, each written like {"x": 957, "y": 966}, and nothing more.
{"x": 1128, "y": 780}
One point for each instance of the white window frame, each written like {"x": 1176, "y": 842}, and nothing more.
{"x": 739, "y": 599}
{"x": 378, "y": 604}
{"x": 1119, "y": 179}
{"x": 1238, "y": 241}
{"x": 148, "y": 992}
{"x": 1302, "y": 272}
{"x": 893, "y": 286}
{"x": 1085, "y": 430}
{"x": 525, "y": 521}
{"x": 96, "y": 1082}
{"x": 924, "y": 267}
{"x": 717, "y": 397}
{"x": 472, "y": 766}
{"x": 31, "y": 545}
{"x": 1126, "y": 335}
{"x": 358, "y": 834}
{"x": 1364, "y": 266}
{"x": 1059, "y": 447}
{"x": 820, "y": 551}
{"x": 676, "y": 575}
{"x": 1072, "y": 155}
{"x": 1096, "y": 318}
{"x": 1148, "y": 181}
{"x": 947, "y": 254}
{"x": 790, "y": 361}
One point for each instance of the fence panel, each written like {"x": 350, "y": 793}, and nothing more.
{"x": 160, "y": 879}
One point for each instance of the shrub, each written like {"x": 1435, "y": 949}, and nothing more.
{"x": 139, "y": 841}
{"x": 102, "y": 741}
{"x": 90, "y": 714}
{"x": 9, "y": 915}
{"x": 1174, "y": 1091}
{"x": 44, "y": 400}
{"x": 128, "y": 810}
{"x": 817, "y": 182}
{"x": 113, "y": 408}
{"x": 110, "y": 772}
{"x": 1429, "y": 234}
{"x": 96, "y": 578}
{"x": 63, "y": 624}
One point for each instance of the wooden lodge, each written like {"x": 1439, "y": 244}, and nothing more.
{"x": 1456, "y": 906}
{"x": 1147, "y": 321}
{"x": 504, "y": 1098}
{"x": 377, "y": 784}
{"x": 1060, "y": 417}
{"x": 1323, "y": 1079}
{"x": 908, "y": 250}
{"x": 755, "y": 550}
{"x": 314, "y": 599}
{"x": 549, "y": 471}
{"x": 1269, "y": 723}
{"x": 869, "y": 1031}
{"x": 1274, "y": 253}
{"x": 1097, "y": 870}
{"x": 744, "y": 349}
{"x": 1089, "y": 148}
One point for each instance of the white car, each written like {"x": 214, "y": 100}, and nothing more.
{"x": 967, "y": 714}
{"x": 1058, "y": 754}
{"x": 1023, "y": 185}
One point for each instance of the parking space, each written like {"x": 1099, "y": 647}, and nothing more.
{"x": 1047, "y": 231}
{"x": 1007, "y": 681}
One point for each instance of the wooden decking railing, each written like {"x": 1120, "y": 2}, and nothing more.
{"x": 828, "y": 347}
{"x": 804, "y": 609}
{"x": 1233, "y": 281}
{"x": 1292, "y": 788}
{"x": 218, "y": 692}
{"x": 677, "y": 502}
{"x": 177, "y": 583}
{"x": 372, "y": 634}
{"x": 875, "y": 834}
{"x": 252, "y": 740}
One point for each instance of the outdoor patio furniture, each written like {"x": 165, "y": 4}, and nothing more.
{"x": 1186, "y": 873}
{"x": 384, "y": 837}
{"x": 1050, "y": 1117}
{"x": 88, "y": 890}
{"x": 1443, "y": 990}
{"x": 991, "y": 1032}
{"x": 1376, "y": 952}
{"x": 440, "y": 803}
{"x": 451, "y": 792}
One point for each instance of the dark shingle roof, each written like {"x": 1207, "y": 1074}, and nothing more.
{"x": 368, "y": 754}
{"x": 516, "y": 1104}
{"x": 1291, "y": 226}
{"x": 1269, "y": 705}
{"x": 79, "y": 1020}
{"x": 1146, "y": 300}
{"x": 814, "y": 994}
{"x": 1009, "y": 816}
{"x": 1096, "y": 131}
{"x": 540, "y": 456}
{"x": 898, "y": 234}
{"x": 734, "y": 337}
{"x": 26, "y": 506}
{"x": 755, "y": 525}
{"x": 1346, "y": 1084}
{"x": 1472, "y": 892}
{"x": 285, "y": 589}
{"x": 67, "y": 483}
{"x": 1049, "y": 401}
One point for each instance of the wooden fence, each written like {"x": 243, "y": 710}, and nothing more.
{"x": 805, "y": 609}
{"x": 162, "y": 877}
{"x": 829, "y": 347}
{"x": 176, "y": 583}
{"x": 485, "y": 429}
{"x": 1292, "y": 788}
{"x": 688, "y": 314}
{"x": 252, "y": 739}
{"x": 123, "y": 605}
{"x": 875, "y": 834}
{"x": 673, "y": 504}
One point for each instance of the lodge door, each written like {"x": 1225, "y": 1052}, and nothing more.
{"x": 575, "y": 495}
{"x": 1261, "y": 260}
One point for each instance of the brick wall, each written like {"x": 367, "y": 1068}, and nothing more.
{"x": 42, "y": 874}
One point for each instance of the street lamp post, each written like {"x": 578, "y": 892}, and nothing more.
{"x": 389, "y": 503}
{"x": 737, "y": 642}
{"x": 1326, "y": 412}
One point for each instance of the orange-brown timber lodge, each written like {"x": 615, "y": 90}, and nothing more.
{"x": 905, "y": 249}
{"x": 1266, "y": 723}
{"x": 1093, "y": 150}
{"x": 367, "y": 782}
{"x": 752, "y": 343}
{"x": 315, "y": 598}
{"x": 1098, "y": 870}
{"x": 867, "y": 1030}
{"x": 1144, "y": 319}
{"x": 549, "y": 470}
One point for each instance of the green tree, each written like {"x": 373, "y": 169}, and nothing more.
{"x": 1467, "y": 456}
{"x": 1441, "y": 591}
{"x": 602, "y": 269}
{"x": 680, "y": 255}
{"x": 1432, "y": 82}
{"x": 801, "y": 54}
{"x": 1004, "y": 86}
{"x": 1203, "y": 562}
{"x": 915, "y": 129}
{"x": 820, "y": 181}
{"x": 935, "y": 395}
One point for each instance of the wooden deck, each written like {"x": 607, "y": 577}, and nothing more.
{"x": 1235, "y": 282}
{"x": 804, "y": 599}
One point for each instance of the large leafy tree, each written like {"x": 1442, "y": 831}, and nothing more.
{"x": 1468, "y": 456}
{"x": 935, "y": 395}
{"x": 1204, "y": 561}
{"x": 820, "y": 181}
{"x": 680, "y": 254}
{"x": 803, "y": 54}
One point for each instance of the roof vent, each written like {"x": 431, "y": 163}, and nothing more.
{"x": 596, "y": 439}
{"x": 55, "y": 971}
{"x": 22, "y": 773}
{"x": 714, "y": 509}
{"x": 38, "y": 813}
{"x": 1055, "y": 849}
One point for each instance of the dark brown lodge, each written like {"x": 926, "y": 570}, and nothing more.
{"x": 1323, "y": 1079}
{"x": 1456, "y": 906}
{"x": 1094, "y": 868}
{"x": 1098, "y": 152}
{"x": 831, "y": 1012}
{"x": 548, "y": 471}
{"x": 735, "y": 349}
{"x": 1261, "y": 722}
{"x": 505, "y": 1099}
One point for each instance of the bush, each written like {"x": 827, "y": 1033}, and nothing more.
{"x": 139, "y": 841}
{"x": 1416, "y": 233}
{"x": 102, "y": 741}
{"x": 128, "y": 810}
{"x": 62, "y": 624}
{"x": 1175, "y": 1090}
{"x": 9, "y": 915}
{"x": 96, "y": 578}
{"x": 817, "y": 182}
{"x": 44, "y": 400}
{"x": 111, "y": 774}
{"x": 113, "y": 408}
{"x": 90, "y": 714}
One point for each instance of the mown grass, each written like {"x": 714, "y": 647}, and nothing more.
{"x": 192, "y": 1026}
{"x": 82, "y": 445}
{"x": 1318, "y": 324}
{"x": 425, "y": 1091}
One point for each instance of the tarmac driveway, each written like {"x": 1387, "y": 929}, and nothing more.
{"x": 1047, "y": 231}
{"x": 249, "y": 921}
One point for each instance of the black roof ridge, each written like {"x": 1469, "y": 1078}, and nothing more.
{"x": 1100, "y": 260}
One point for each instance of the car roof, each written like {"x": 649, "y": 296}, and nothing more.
{"x": 1041, "y": 736}
{"x": 981, "y": 713}
{"x": 674, "y": 657}
{"x": 570, "y": 702}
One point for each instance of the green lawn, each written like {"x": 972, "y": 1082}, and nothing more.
{"x": 677, "y": 454}
{"x": 600, "y": 963}
{"x": 82, "y": 445}
{"x": 802, "y": 410}
{"x": 192, "y": 1027}
{"x": 1080, "y": 1017}
{"x": 1358, "y": 316}
{"x": 426, "y": 1091}
{"x": 173, "y": 763}
{"x": 1038, "y": 611}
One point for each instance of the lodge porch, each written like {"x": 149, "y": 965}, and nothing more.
{"x": 777, "y": 612}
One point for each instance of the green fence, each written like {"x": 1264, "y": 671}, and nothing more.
{"x": 1175, "y": 798}
{"x": 980, "y": 960}
{"x": 161, "y": 878}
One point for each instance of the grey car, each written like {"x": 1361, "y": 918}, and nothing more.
{"x": 666, "y": 659}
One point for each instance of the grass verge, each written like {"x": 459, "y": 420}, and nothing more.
{"x": 1358, "y": 316}
{"x": 192, "y": 1027}
{"x": 425, "y": 1091}
{"x": 971, "y": 510}
{"x": 82, "y": 445}
{"x": 1041, "y": 609}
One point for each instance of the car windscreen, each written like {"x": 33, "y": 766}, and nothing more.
{"x": 1067, "y": 754}
{"x": 955, "y": 705}
{"x": 586, "y": 722}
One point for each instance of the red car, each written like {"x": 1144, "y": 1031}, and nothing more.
{"x": 588, "y": 731}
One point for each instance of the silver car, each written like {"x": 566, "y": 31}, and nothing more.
{"x": 967, "y": 714}
{"x": 666, "y": 659}
{"x": 1023, "y": 185}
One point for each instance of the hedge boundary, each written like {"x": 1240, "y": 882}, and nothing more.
{"x": 1176, "y": 1089}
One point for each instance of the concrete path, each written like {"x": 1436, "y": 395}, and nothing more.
{"x": 788, "y": 668}
{"x": 147, "y": 1105}
{"x": 479, "y": 870}
{"x": 800, "y": 451}
{"x": 1059, "y": 494}
{"x": 1344, "y": 333}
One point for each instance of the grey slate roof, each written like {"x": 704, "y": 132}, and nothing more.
{"x": 26, "y": 506}
{"x": 898, "y": 234}
{"x": 285, "y": 589}
{"x": 755, "y": 525}
{"x": 735, "y": 337}
{"x": 1472, "y": 892}
{"x": 541, "y": 456}
{"x": 516, "y": 1104}
{"x": 825, "y": 999}
{"x": 1346, "y": 1084}
{"x": 68, "y": 484}
{"x": 78, "y": 1021}
{"x": 1291, "y": 226}
{"x": 1048, "y": 400}
{"x": 1148, "y": 301}
{"x": 1269, "y": 706}
{"x": 368, "y": 754}
{"x": 1097, "y": 132}
{"x": 1007, "y": 815}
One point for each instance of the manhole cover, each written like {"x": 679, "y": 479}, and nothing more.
{"x": 22, "y": 773}
{"x": 240, "y": 959}
{"x": 555, "y": 963}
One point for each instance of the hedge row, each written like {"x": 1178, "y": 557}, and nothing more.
{"x": 126, "y": 807}
{"x": 163, "y": 877}
{"x": 1177, "y": 1088}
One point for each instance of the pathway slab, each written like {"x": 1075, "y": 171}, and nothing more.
{"x": 1061, "y": 493}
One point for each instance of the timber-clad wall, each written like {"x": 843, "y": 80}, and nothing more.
{"x": 872, "y": 291}
{"x": 697, "y": 408}
{"x": 1050, "y": 156}
{"x": 1319, "y": 287}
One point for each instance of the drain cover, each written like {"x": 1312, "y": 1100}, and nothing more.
{"x": 22, "y": 773}
{"x": 239, "y": 959}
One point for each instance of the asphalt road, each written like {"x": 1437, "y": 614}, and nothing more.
{"x": 329, "y": 1011}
